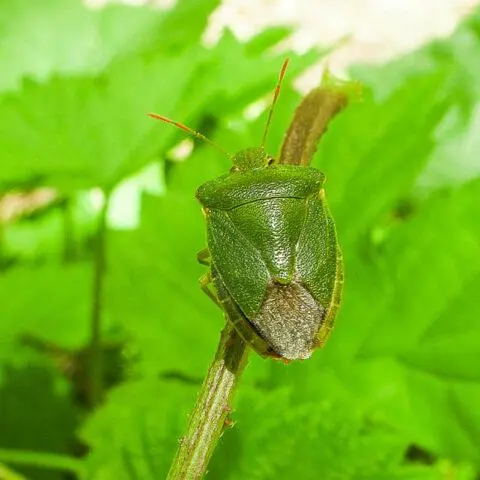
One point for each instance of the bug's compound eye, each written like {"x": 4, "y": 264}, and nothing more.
{"x": 235, "y": 169}
{"x": 270, "y": 160}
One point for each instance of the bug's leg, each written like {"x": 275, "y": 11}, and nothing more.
{"x": 205, "y": 284}
{"x": 206, "y": 281}
{"x": 231, "y": 310}
{"x": 203, "y": 257}
{"x": 243, "y": 327}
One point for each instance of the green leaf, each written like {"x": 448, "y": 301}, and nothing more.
{"x": 370, "y": 154}
{"x": 267, "y": 38}
{"x": 255, "y": 72}
{"x": 50, "y": 303}
{"x": 77, "y": 132}
{"x": 34, "y": 386}
{"x": 86, "y": 41}
{"x": 174, "y": 325}
{"x": 86, "y": 132}
{"x": 134, "y": 435}
{"x": 454, "y": 160}
{"x": 183, "y": 26}
{"x": 277, "y": 436}
{"x": 406, "y": 341}
{"x": 409, "y": 276}
{"x": 395, "y": 392}
{"x": 440, "y": 368}
{"x": 35, "y": 238}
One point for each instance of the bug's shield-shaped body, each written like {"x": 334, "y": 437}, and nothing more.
{"x": 275, "y": 260}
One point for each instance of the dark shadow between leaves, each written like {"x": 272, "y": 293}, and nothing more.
{"x": 36, "y": 415}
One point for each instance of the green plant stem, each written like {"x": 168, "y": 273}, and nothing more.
{"x": 69, "y": 246}
{"x": 210, "y": 413}
{"x": 95, "y": 347}
{"x": 45, "y": 460}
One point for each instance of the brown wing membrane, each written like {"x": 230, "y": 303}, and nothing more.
{"x": 289, "y": 320}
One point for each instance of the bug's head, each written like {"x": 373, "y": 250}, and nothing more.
{"x": 256, "y": 157}
{"x": 251, "y": 158}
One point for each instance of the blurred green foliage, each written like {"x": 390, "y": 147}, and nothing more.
{"x": 396, "y": 392}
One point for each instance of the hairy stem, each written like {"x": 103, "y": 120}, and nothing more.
{"x": 312, "y": 117}
{"x": 95, "y": 347}
{"x": 210, "y": 413}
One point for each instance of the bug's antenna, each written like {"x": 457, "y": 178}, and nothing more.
{"x": 274, "y": 101}
{"x": 190, "y": 131}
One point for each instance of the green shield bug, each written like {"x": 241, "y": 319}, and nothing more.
{"x": 275, "y": 266}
